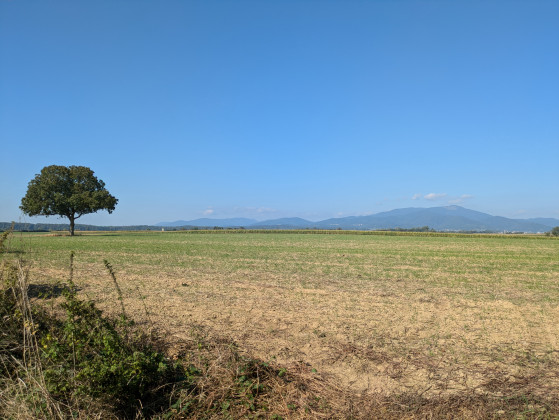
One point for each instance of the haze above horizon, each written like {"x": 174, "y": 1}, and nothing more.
{"x": 284, "y": 109}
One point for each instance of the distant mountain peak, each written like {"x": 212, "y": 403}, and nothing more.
{"x": 445, "y": 218}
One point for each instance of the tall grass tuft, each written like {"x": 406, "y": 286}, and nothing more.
{"x": 120, "y": 297}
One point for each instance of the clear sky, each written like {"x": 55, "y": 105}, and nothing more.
{"x": 267, "y": 109}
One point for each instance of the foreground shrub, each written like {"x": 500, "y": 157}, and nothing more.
{"x": 73, "y": 357}
{"x": 87, "y": 354}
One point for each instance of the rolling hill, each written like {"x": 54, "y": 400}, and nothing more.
{"x": 447, "y": 218}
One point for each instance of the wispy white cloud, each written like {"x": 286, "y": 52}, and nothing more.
{"x": 265, "y": 210}
{"x": 461, "y": 199}
{"x": 442, "y": 196}
{"x": 208, "y": 212}
{"x": 251, "y": 211}
{"x": 430, "y": 196}
{"x": 434, "y": 196}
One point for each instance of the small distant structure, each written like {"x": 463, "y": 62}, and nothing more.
{"x": 162, "y": 229}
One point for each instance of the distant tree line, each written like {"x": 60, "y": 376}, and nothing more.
{"x": 48, "y": 227}
{"x": 415, "y": 229}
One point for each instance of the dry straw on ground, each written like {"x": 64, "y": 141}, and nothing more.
{"x": 407, "y": 326}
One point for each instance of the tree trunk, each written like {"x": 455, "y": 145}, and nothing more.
{"x": 72, "y": 219}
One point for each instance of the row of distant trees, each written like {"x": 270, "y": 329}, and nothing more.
{"x": 54, "y": 227}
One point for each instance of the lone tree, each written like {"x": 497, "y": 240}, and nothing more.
{"x": 66, "y": 191}
{"x": 555, "y": 231}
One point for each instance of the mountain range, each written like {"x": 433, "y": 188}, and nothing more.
{"x": 447, "y": 218}
{"x": 207, "y": 222}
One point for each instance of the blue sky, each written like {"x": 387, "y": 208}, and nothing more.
{"x": 268, "y": 109}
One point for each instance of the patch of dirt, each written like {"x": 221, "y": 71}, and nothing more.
{"x": 381, "y": 337}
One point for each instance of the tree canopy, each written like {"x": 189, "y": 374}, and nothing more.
{"x": 555, "y": 231}
{"x": 66, "y": 191}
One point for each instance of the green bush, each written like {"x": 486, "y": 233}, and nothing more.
{"x": 4, "y": 236}
{"x": 89, "y": 354}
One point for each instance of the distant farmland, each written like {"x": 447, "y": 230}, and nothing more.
{"x": 436, "y": 316}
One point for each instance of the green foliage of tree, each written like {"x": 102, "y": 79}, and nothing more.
{"x": 555, "y": 231}
{"x": 66, "y": 191}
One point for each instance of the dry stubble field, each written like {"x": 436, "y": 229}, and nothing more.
{"x": 433, "y": 316}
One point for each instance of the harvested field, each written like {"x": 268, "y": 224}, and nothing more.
{"x": 436, "y": 317}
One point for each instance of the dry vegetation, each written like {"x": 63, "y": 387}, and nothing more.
{"x": 343, "y": 326}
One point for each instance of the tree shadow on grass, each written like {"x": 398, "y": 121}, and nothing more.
{"x": 13, "y": 251}
{"x": 49, "y": 291}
